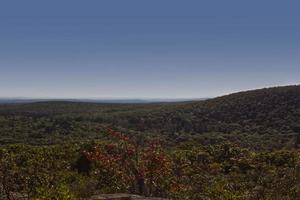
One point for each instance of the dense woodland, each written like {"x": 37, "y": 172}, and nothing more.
{"x": 264, "y": 119}
{"x": 239, "y": 146}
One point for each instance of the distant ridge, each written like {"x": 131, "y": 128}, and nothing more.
{"x": 262, "y": 118}
{"x": 113, "y": 101}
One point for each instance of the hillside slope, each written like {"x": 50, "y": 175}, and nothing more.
{"x": 266, "y": 117}
{"x": 277, "y": 108}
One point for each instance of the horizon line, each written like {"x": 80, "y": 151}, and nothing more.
{"x": 140, "y": 98}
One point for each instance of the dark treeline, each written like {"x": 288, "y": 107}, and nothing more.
{"x": 266, "y": 118}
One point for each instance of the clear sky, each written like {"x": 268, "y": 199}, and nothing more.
{"x": 154, "y": 48}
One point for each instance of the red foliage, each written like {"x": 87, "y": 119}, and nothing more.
{"x": 143, "y": 168}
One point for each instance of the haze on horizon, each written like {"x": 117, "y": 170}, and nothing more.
{"x": 146, "y": 49}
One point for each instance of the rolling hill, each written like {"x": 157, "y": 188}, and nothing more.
{"x": 263, "y": 118}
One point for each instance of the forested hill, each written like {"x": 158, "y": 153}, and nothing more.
{"x": 269, "y": 116}
{"x": 265, "y": 117}
{"x": 274, "y": 108}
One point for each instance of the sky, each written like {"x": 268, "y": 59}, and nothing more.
{"x": 146, "y": 49}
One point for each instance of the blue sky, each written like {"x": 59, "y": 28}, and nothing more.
{"x": 152, "y": 49}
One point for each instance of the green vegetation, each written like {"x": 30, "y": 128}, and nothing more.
{"x": 239, "y": 146}
{"x": 74, "y": 171}
{"x": 261, "y": 119}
